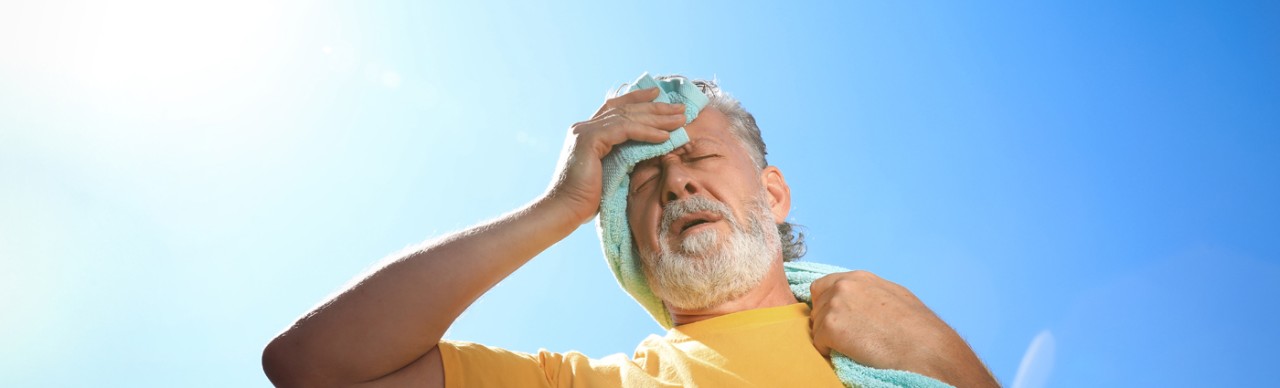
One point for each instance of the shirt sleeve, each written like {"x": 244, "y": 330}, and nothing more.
{"x": 472, "y": 365}
{"x": 469, "y": 365}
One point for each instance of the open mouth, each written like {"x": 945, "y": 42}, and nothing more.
{"x": 692, "y": 224}
{"x": 693, "y": 220}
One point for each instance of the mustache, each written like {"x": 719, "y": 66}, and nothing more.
{"x": 677, "y": 209}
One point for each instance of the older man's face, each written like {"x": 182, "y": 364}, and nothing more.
{"x": 701, "y": 218}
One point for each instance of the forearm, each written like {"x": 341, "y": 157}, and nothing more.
{"x": 401, "y": 310}
{"x": 955, "y": 363}
{"x": 972, "y": 373}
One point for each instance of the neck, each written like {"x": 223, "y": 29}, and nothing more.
{"x": 771, "y": 292}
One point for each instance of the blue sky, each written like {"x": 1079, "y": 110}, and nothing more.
{"x": 1085, "y": 190}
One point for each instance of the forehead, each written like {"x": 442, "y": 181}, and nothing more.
{"x": 710, "y": 125}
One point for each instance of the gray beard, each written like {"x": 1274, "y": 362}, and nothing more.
{"x": 708, "y": 269}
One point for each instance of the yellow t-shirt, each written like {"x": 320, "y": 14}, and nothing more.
{"x": 769, "y": 347}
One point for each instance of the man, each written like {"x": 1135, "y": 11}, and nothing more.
{"x": 708, "y": 221}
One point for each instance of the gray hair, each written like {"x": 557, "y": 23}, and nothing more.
{"x": 743, "y": 125}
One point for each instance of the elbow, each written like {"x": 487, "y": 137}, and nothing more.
{"x": 283, "y": 365}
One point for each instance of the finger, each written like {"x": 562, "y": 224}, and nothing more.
{"x": 662, "y": 108}
{"x": 668, "y": 108}
{"x": 662, "y": 121}
{"x": 635, "y": 130}
{"x": 613, "y": 130}
{"x": 822, "y": 349}
{"x": 647, "y": 115}
{"x": 650, "y": 136}
{"x": 651, "y": 108}
{"x": 818, "y": 334}
{"x": 617, "y": 129}
{"x": 634, "y": 96}
{"x": 819, "y": 287}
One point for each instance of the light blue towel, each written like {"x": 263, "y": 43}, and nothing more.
{"x": 614, "y": 231}
{"x": 615, "y": 236}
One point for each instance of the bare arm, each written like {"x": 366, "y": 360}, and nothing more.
{"x": 384, "y": 329}
{"x": 399, "y": 312}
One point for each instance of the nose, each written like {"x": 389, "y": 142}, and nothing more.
{"x": 678, "y": 183}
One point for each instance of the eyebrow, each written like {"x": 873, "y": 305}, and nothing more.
{"x": 704, "y": 140}
{"x": 698, "y": 144}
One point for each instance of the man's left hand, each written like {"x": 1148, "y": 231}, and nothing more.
{"x": 883, "y": 325}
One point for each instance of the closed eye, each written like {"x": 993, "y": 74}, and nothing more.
{"x": 635, "y": 188}
{"x": 697, "y": 158}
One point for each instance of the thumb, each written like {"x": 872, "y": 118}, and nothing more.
{"x": 817, "y": 332}
{"x": 821, "y": 346}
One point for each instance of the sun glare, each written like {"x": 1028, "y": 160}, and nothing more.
{"x": 164, "y": 51}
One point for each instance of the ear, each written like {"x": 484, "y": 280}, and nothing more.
{"x": 779, "y": 193}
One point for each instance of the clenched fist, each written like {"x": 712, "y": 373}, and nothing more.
{"x": 883, "y": 325}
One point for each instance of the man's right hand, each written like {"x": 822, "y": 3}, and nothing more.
{"x": 632, "y": 116}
